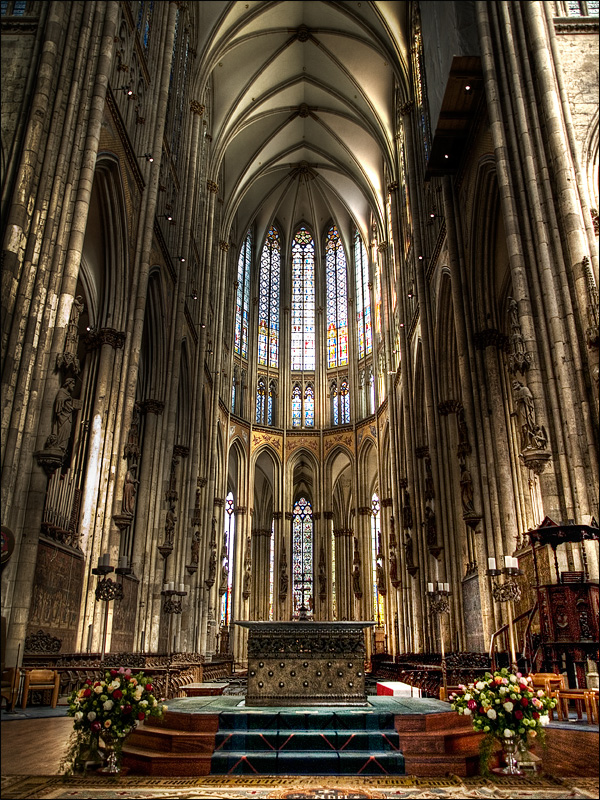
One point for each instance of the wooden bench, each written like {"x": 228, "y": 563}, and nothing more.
{"x": 583, "y": 698}
{"x": 37, "y": 680}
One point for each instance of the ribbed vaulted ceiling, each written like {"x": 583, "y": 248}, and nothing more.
{"x": 302, "y": 119}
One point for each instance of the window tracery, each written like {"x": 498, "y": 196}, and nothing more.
{"x": 243, "y": 297}
{"x": 376, "y": 560}
{"x": 261, "y": 399}
{"x": 303, "y": 301}
{"x": 227, "y": 560}
{"x": 363, "y": 301}
{"x": 302, "y": 555}
{"x": 268, "y": 300}
{"x": 337, "y": 300}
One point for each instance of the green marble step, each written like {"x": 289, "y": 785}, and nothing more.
{"x": 306, "y": 762}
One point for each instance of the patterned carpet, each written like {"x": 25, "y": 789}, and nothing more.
{"x": 294, "y": 788}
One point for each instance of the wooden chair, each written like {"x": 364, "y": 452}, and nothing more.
{"x": 551, "y": 683}
{"x": 583, "y": 698}
{"x": 37, "y": 680}
{"x": 10, "y": 686}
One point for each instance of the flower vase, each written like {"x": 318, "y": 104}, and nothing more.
{"x": 509, "y": 751}
{"x": 113, "y": 747}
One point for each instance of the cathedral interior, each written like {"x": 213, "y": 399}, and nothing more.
{"x": 299, "y": 322}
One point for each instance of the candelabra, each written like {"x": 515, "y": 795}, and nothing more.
{"x": 108, "y": 590}
{"x": 507, "y": 592}
{"x": 440, "y": 604}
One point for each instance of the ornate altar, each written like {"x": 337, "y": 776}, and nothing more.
{"x": 568, "y": 608}
{"x": 306, "y": 663}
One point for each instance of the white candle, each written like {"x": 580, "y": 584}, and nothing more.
{"x": 440, "y": 586}
{"x": 99, "y": 561}
{"x": 165, "y": 587}
{"x": 430, "y": 587}
{"x": 447, "y": 587}
{"x": 106, "y": 560}
{"x": 122, "y": 562}
{"x": 491, "y": 563}
{"x": 171, "y": 586}
{"x": 182, "y": 587}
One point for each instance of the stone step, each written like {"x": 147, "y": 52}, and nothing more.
{"x": 308, "y": 762}
{"x": 444, "y": 720}
{"x": 448, "y": 741}
{"x": 288, "y": 740}
{"x": 434, "y": 765}
{"x": 172, "y": 741}
{"x": 147, "y": 762}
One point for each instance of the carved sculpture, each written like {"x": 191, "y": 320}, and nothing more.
{"x": 129, "y": 490}
{"x": 533, "y": 436}
{"x": 407, "y": 519}
{"x": 68, "y": 360}
{"x": 464, "y": 445}
{"x": 429, "y": 489}
{"x": 62, "y": 421}
{"x": 170, "y": 521}
{"x": 466, "y": 489}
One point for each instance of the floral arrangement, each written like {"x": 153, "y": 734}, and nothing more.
{"x": 504, "y": 706}
{"x": 110, "y": 708}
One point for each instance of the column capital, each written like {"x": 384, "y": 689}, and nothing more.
{"x": 152, "y": 406}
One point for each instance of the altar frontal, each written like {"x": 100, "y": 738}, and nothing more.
{"x": 306, "y": 663}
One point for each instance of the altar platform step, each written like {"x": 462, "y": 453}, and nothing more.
{"x": 397, "y": 736}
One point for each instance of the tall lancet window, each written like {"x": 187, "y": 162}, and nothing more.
{"x": 227, "y": 560}
{"x": 261, "y": 401}
{"x": 302, "y": 555}
{"x": 344, "y": 402}
{"x": 309, "y": 406}
{"x": 268, "y": 300}
{"x": 296, "y": 406}
{"x": 271, "y": 403}
{"x": 303, "y": 301}
{"x": 363, "y": 300}
{"x": 377, "y": 561}
{"x": 337, "y": 300}
{"x": 243, "y": 298}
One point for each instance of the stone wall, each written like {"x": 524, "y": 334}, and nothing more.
{"x": 15, "y": 60}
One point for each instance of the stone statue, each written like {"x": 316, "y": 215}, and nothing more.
{"x": 68, "y": 358}
{"x": 247, "y": 583}
{"x": 170, "y": 521}
{"x": 129, "y": 490}
{"x": 466, "y": 489}
{"x": 430, "y": 527}
{"x": 513, "y": 314}
{"x": 196, "y": 547}
{"x": 224, "y": 574}
{"x": 212, "y": 568}
{"x": 393, "y": 568}
{"x": 532, "y": 435}
{"x": 356, "y": 581}
{"x": 62, "y": 422}
{"x": 407, "y": 519}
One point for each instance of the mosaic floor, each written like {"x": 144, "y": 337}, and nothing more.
{"x": 296, "y": 788}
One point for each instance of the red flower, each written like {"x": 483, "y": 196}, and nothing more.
{"x": 535, "y": 715}
{"x": 95, "y": 726}
{"x": 481, "y": 710}
{"x": 87, "y": 692}
{"x": 127, "y": 709}
{"x": 117, "y": 694}
{"x": 141, "y": 715}
{"x": 113, "y": 673}
{"x": 148, "y": 687}
{"x": 524, "y": 702}
{"x": 518, "y": 715}
{"x": 89, "y": 683}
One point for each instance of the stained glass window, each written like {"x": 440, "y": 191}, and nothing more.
{"x": 227, "y": 558}
{"x": 378, "y": 298}
{"x": 271, "y": 570}
{"x": 268, "y": 300}
{"x": 372, "y": 392}
{"x": 296, "y": 406}
{"x": 420, "y": 87}
{"x": 261, "y": 399}
{"x": 243, "y": 298}
{"x": 344, "y": 403}
{"x": 271, "y": 403}
{"x": 335, "y": 412}
{"x": 233, "y": 397}
{"x": 377, "y": 556}
{"x": 363, "y": 300}
{"x": 303, "y": 301}
{"x": 337, "y": 300}
{"x": 309, "y": 406}
{"x": 302, "y": 555}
